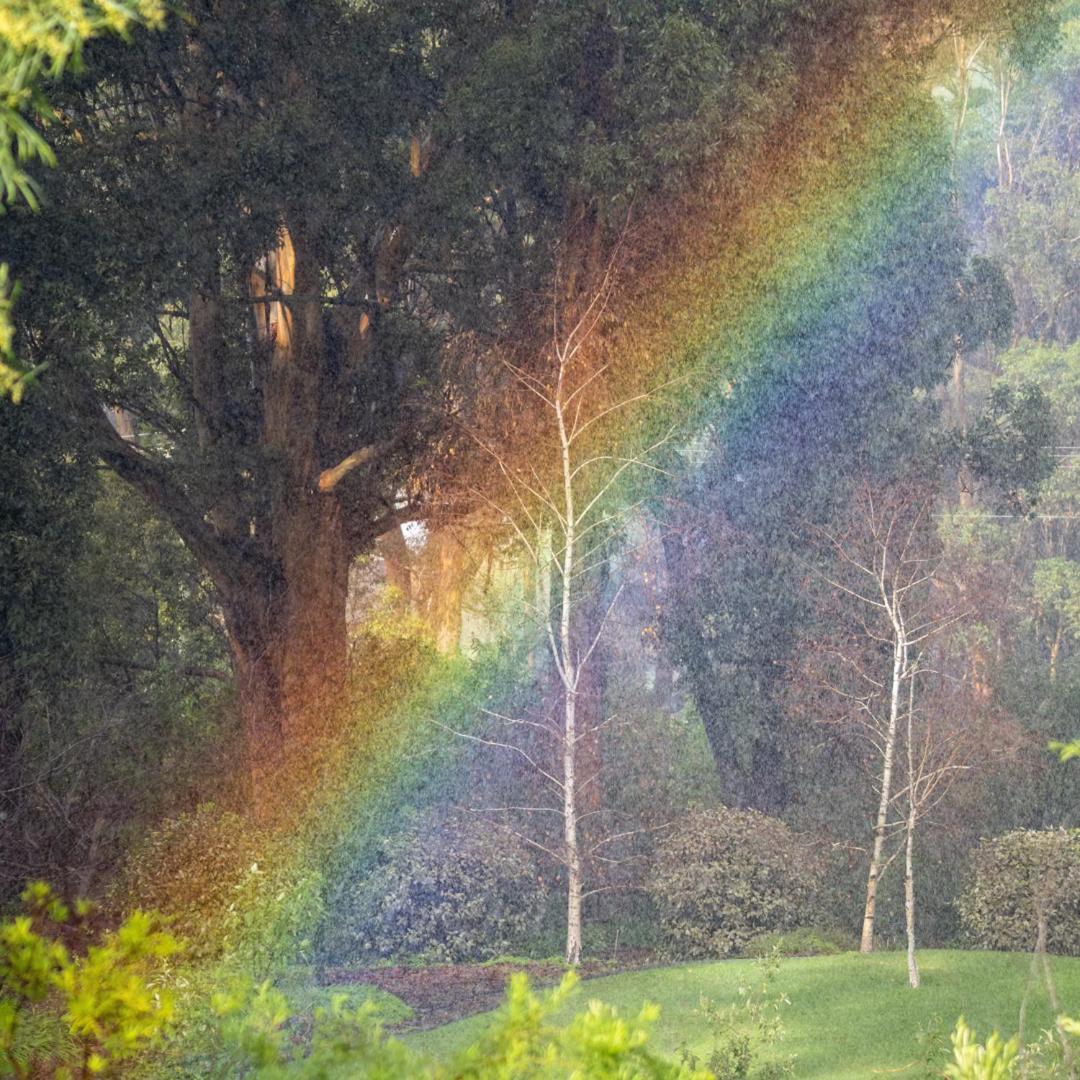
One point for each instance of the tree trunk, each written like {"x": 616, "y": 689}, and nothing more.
{"x": 398, "y": 561}
{"x": 570, "y": 833}
{"x": 284, "y": 576}
{"x": 447, "y": 591}
{"x": 909, "y": 901}
{"x": 570, "y": 673}
{"x": 899, "y": 663}
{"x": 288, "y": 642}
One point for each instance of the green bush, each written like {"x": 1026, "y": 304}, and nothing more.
{"x": 210, "y": 1001}
{"x": 460, "y": 891}
{"x": 1014, "y": 878}
{"x": 993, "y": 1060}
{"x": 722, "y": 877}
{"x": 803, "y": 941}
{"x": 521, "y": 1044}
{"x": 228, "y": 889}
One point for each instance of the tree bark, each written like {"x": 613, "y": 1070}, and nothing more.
{"x": 570, "y": 833}
{"x": 288, "y": 643}
{"x": 447, "y": 591}
{"x": 881, "y": 823}
{"x": 909, "y": 900}
{"x": 570, "y": 676}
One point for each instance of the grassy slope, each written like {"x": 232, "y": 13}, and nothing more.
{"x": 851, "y": 1017}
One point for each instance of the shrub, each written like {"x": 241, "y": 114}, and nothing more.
{"x": 1017, "y": 876}
{"x": 60, "y": 1011}
{"x": 210, "y": 1007}
{"x": 722, "y": 877}
{"x": 522, "y": 1042}
{"x": 803, "y": 941}
{"x": 743, "y": 1029}
{"x": 460, "y": 891}
{"x": 993, "y": 1060}
{"x": 227, "y": 887}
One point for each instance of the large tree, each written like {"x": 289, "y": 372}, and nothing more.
{"x": 268, "y": 220}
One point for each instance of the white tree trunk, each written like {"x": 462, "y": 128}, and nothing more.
{"x": 570, "y": 673}
{"x": 570, "y": 836}
{"x": 909, "y": 900}
{"x": 909, "y": 839}
{"x": 881, "y": 823}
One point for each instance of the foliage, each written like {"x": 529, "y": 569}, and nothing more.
{"x": 721, "y": 877}
{"x": 522, "y": 1043}
{"x": 1019, "y": 879}
{"x": 218, "y": 1008}
{"x": 109, "y": 1009}
{"x": 597, "y": 1042}
{"x": 1010, "y": 445}
{"x": 1066, "y": 751}
{"x": 993, "y": 1060}
{"x": 115, "y": 704}
{"x": 39, "y": 39}
{"x": 741, "y": 1030}
{"x": 461, "y": 890}
{"x": 228, "y": 888}
{"x": 803, "y": 941}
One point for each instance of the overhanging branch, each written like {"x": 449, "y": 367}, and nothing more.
{"x": 330, "y": 478}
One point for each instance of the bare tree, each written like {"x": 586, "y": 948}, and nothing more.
{"x": 884, "y": 569}
{"x": 937, "y": 754}
{"x": 559, "y": 493}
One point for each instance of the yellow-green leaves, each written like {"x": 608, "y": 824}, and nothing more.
{"x": 972, "y": 1060}
{"x": 39, "y": 39}
{"x": 110, "y": 1007}
{"x": 29, "y": 963}
{"x": 1066, "y": 751}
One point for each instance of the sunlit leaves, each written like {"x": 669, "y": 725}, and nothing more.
{"x": 110, "y": 1007}
{"x": 39, "y": 39}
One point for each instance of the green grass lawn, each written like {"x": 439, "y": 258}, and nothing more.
{"x": 851, "y": 1017}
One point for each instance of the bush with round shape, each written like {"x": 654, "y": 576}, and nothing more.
{"x": 1018, "y": 878}
{"x": 803, "y": 941}
{"x": 462, "y": 890}
{"x": 723, "y": 877}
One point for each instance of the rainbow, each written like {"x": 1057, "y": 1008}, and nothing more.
{"x": 750, "y": 300}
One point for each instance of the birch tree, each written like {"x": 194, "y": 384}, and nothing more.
{"x": 561, "y": 491}
{"x": 883, "y": 570}
{"x": 937, "y": 754}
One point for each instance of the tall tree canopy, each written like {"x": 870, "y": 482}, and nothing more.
{"x": 270, "y": 217}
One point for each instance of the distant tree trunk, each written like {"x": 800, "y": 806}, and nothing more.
{"x": 398, "y": 560}
{"x": 447, "y": 591}
{"x": 965, "y": 479}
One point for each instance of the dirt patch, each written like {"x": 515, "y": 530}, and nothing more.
{"x": 446, "y": 992}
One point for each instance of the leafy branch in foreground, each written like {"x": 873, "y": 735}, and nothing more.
{"x": 523, "y": 1042}
{"x": 39, "y": 40}
{"x": 109, "y": 1014}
